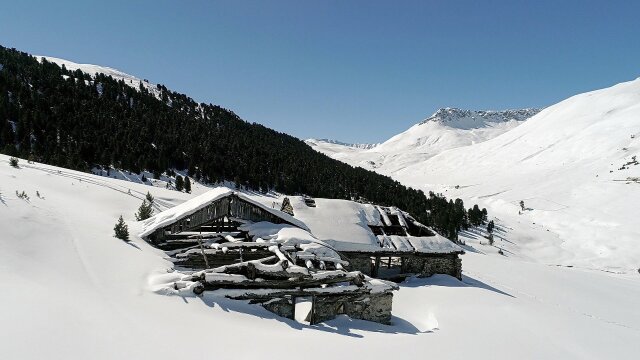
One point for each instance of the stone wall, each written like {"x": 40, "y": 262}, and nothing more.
{"x": 283, "y": 307}
{"x": 371, "y": 307}
{"x": 376, "y": 308}
{"x": 360, "y": 263}
{"x": 421, "y": 264}
{"x": 426, "y": 266}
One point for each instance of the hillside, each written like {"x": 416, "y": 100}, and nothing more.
{"x": 81, "y": 293}
{"x": 573, "y": 164}
{"x": 447, "y": 128}
{"x": 117, "y": 75}
{"x": 53, "y": 112}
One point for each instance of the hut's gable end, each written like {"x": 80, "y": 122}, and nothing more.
{"x": 215, "y": 214}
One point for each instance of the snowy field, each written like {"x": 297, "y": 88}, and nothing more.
{"x": 73, "y": 291}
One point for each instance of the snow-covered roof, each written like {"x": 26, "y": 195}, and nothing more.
{"x": 342, "y": 224}
{"x": 189, "y": 207}
{"x": 339, "y": 222}
{"x": 345, "y": 225}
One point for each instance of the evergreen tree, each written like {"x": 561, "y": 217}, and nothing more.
{"x": 490, "y": 227}
{"x": 144, "y": 211}
{"x": 121, "y": 230}
{"x": 149, "y": 198}
{"x": 13, "y": 162}
{"x": 187, "y": 184}
{"x": 179, "y": 183}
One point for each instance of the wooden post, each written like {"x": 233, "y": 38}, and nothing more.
{"x": 376, "y": 267}
{"x": 206, "y": 261}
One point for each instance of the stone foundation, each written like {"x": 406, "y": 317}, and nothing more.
{"x": 423, "y": 265}
{"x": 372, "y": 307}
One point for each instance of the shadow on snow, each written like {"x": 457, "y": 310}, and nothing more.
{"x": 342, "y": 324}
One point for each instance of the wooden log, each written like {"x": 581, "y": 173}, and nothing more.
{"x": 213, "y": 281}
{"x": 307, "y": 256}
{"x": 243, "y": 245}
{"x": 262, "y": 296}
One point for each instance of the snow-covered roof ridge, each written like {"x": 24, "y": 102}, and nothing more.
{"x": 189, "y": 207}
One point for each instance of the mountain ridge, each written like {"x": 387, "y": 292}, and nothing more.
{"x": 453, "y": 115}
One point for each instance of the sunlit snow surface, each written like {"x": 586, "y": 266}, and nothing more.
{"x": 79, "y": 293}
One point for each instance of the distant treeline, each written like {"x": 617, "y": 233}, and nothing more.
{"x": 77, "y": 120}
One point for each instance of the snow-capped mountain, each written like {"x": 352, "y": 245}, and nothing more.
{"x": 474, "y": 119}
{"x": 362, "y": 146}
{"x": 447, "y": 128}
{"x": 332, "y": 147}
{"x": 573, "y": 164}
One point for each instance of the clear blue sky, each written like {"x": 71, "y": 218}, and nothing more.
{"x": 350, "y": 70}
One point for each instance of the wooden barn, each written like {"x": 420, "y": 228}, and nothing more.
{"x": 332, "y": 254}
{"x": 232, "y": 243}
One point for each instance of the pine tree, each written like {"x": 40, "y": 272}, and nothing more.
{"x": 121, "y": 230}
{"x": 179, "y": 183}
{"x": 490, "y": 227}
{"x": 187, "y": 184}
{"x": 149, "y": 198}
{"x": 13, "y": 162}
{"x": 144, "y": 211}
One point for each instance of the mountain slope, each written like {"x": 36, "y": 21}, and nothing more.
{"x": 447, "y": 128}
{"x": 65, "y": 117}
{"x": 91, "y": 69}
{"x": 573, "y": 166}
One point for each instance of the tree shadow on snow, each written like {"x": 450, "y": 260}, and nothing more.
{"x": 471, "y": 249}
{"x": 132, "y": 244}
{"x": 450, "y": 281}
{"x": 341, "y": 325}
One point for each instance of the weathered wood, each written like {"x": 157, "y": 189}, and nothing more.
{"x": 196, "y": 261}
{"x": 298, "y": 293}
{"x": 206, "y": 262}
{"x": 228, "y": 207}
{"x": 234, "y": 281}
